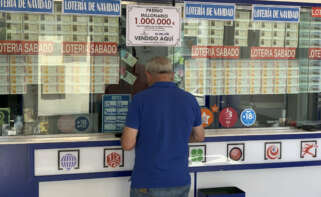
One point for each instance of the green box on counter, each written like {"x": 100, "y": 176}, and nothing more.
{"x": 221, "y": 192}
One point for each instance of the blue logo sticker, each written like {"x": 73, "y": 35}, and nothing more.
{"x": 248, "y": 117}
{"x": 82, "y": 123}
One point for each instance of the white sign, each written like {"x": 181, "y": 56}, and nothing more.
{"x": 153, "y": 26}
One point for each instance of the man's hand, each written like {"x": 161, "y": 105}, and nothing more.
{"x": 128, "y": 138}
{"x": 197, "y": 134}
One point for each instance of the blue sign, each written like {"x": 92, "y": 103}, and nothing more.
{"x": 43, "y": 6}
{"x": 248, "y": 117}
{"x": 115, "y": 108}
{"x": 92, "y": 7}
{"x": 209, "y": 11}
{"x": 271, "y": 13}
{"x": 82, "y": 123}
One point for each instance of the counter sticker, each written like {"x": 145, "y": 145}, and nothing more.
{"x": 113, "y": 157}
{"x": 308, "y": 149}
{"x": 45, "y": 6}
{"x": 248, "y": 117}
{"x": 215, "y": 108}
{"x": 153, "y": 26}
{"x": 273, "y": 53}
{"x": 209, "y": 11}
{"x": 236, "y": 152}
{"x": 272, "y": 151}
{"x": 68, "y": 159}
{"x": 197, "y": 153}
{"x": 92, "y": 7}
{"x": 207, "y": 117}
{"x": 228, "y": 52}
{"x": 273, "y": 13}
{"x": 228, "y": 117}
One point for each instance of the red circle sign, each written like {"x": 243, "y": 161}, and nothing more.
{"x": 113, "y": 159}
{"x": 228, "y": 117}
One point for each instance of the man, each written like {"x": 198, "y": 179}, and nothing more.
{"x": 161, "y": 120}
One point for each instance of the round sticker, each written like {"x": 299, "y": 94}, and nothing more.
{"x": 82, "y": 123}
{"x": 113, "y": 159}
{"x": 207, "y": 117}
{"x": 228, "y": 117}
{"x": 248, "y": 117}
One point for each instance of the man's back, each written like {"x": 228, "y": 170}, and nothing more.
{"x": 164, "y": 116}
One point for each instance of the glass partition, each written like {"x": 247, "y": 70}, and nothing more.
{"x": 55, "y": 69}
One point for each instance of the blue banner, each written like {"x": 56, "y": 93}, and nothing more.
{"x": 115, "y": 107}
{"x": 35, "y": 6}
{"x": 270, "y": 13}
{"x": 209, "y": 11}
{"x": 92, "y": 7}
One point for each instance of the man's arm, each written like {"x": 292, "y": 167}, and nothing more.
{"x": 128, "y": 138}
{"x": 197, "y": 134}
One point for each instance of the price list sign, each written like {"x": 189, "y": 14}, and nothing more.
{"x": 153, "y": 26}
{"x": 115, "y": 108}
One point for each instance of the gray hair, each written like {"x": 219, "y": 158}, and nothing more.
{"x": 159, "y": 65}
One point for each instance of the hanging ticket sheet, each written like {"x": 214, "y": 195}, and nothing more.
{"x": 153, "y": 26}
{"x": 44, "y": 6}
{"x": 115, "y": 108}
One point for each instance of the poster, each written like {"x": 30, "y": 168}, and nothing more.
{"x": 153, "y": 26}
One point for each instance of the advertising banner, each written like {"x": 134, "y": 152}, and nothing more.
{"x": 273, "y": 13}
{"x": 92, "y": 7}
{"x": 315, "y": 53}
{"x": 273, "y": 53}
{"x": 228, "y": 52}
{"x": 153, "y": 26}
{"x": 40, "y": 6}
{"x": 209, "y": 11}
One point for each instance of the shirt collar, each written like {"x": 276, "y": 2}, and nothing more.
{"x": 164, "y": 84}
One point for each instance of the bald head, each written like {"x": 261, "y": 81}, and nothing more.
{"x": 159, "y": 69}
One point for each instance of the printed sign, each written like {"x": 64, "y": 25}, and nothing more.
{"x": 248, "y": 117}
{"x": 272, "y": 151}
{"x": 235, "y": 152}
{"x": 228, "y": 52}
{"x": 316, "y": 12}
{"x": 209, "y": 11}
{"x": 68, "y": 159}
{"x": 197, "y": 153}
{"x": 308, "y": 149}
{"x": 315, "y": 53}
{"x": 113, "y": 157}
{"x": 115, "y": 107}
{"x": 228, "y": 117}
{"x": 153, "y": 26}
{"x": 207, "y": 117}
{"x": 92, "y": 7}
{"x": 273, "y": 13}
{"x": 273, "y": 53}
{"x": 45, "y": 6}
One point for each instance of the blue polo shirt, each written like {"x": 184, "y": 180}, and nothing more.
{"x": 164, "y": 116}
